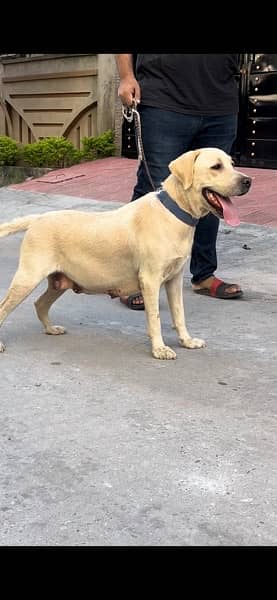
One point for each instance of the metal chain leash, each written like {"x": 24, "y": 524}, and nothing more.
{"x": 131, "y": 113}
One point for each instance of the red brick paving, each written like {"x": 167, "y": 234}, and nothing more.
{"x": 110, "y": 178}
{"x": 259, "y": 206}
{"x": 113, "y": 179}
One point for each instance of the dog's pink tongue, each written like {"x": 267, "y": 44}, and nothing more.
{"x": 230, "y": 212}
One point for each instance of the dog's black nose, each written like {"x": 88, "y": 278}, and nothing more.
{"x": 246, "y": 182}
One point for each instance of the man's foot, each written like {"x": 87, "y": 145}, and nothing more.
{"x": 216, "y": 288}
{"x": 134, "y": 301}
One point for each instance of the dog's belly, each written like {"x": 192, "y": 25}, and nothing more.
{"x": 101, "y": 275}
{"x": 111, "y": 278}
{"x": 111, "y": 285}
{"x": 114, "y": 292}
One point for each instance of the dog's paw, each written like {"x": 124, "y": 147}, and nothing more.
{"x": 192, "y": 343}
{"x": 164, "y": 353}
{"x": 2, "y": 347}
{"x": 55, "y": 330}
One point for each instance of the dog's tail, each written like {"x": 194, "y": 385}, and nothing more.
{"x": 20, "y": 224}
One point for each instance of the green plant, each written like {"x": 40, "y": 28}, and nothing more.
{"x": 51, "y": 152}
{"x": 55, "y": 152}
{"x": 99, "y": 146}
{"x": 9, "y": 151}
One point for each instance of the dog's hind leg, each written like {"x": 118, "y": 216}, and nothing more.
{"x": 174, "y": 290}
{"x": 23, "y": 283}
{"x": 43, "y": 305}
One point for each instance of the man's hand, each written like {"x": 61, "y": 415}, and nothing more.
{"x": 129, "y": 90}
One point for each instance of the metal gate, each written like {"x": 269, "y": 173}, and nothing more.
{"x": 256, "y": 144}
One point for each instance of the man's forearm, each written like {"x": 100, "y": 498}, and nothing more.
{"x": 129, "y": 89}
{"x": 124, "y": 65}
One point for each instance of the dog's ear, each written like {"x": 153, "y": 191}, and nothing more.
{"x": 183, "y": 166}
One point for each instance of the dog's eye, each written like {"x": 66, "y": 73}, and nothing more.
{"x": 217, "y": 166}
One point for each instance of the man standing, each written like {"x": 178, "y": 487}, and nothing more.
{"x": 186, "y": 101}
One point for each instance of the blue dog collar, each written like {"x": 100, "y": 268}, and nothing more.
{"x": 173, "y": 207}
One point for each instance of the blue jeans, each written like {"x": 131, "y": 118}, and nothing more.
{"x": 166, "y": 135}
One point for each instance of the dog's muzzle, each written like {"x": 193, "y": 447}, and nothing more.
{"x": 245, "y": 185}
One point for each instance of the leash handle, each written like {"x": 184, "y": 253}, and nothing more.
{"x": 127, "y": 111}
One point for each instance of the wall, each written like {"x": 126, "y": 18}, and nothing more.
{"x": 57, "y": 95}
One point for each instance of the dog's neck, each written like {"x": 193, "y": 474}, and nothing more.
{"x": 175, "y": 209}
{"x": 175, "y": 189}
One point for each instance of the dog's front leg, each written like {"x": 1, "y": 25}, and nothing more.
{"x": 150, "y": 288}
{"x": 174, "y": 290}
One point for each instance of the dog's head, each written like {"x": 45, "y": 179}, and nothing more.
{"x": 209, "y": 180}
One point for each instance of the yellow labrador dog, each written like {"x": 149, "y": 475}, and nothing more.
{"x": 139, "y": 246}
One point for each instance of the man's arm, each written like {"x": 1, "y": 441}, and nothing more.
{"x": 129, "y": 88}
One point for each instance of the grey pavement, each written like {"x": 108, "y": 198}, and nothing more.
{"x": 102, "y": 445}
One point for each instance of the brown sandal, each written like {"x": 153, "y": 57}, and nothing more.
{"x": 218, "y": 290}
{"x": 129, "y": 301}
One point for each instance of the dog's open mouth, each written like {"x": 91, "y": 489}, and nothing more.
{"x": 223, "y": 206}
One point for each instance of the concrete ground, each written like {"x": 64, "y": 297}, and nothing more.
{"x": 102, "y": 445}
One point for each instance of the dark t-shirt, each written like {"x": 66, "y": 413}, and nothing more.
{"x": 192, "y": 84}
